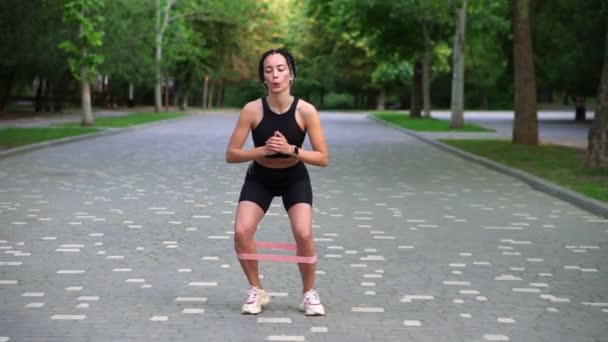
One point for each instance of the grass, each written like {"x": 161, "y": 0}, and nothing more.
{"x": 562, "y": 165}
{"x": 129, "y": 120}
{"x": 18, "y": 136}
{"x": 425, "y": 124}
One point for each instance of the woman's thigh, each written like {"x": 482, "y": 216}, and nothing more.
{"x": 248, "y": 217}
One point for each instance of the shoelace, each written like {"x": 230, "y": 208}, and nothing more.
{"x": 253, "y": 295}
{"x": 312, "y": 297}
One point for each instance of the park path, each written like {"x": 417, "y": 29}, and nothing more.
{"x": 128, "y": 237}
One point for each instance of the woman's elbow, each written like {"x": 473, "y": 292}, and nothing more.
{"x": 229, "y": 157}
{"x": 324, "y": 161}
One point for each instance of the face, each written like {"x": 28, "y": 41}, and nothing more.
{"x": 277, "y": 75}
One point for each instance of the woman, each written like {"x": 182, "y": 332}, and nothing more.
{"x": 278, "y": 124}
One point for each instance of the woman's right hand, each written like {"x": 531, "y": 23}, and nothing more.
{"x": 264, "y": 151}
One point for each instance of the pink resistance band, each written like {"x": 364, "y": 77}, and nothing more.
{"x": 277, "y": 257}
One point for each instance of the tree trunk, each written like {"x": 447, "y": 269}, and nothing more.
{"x": 38, "y": 98}
{"x": 381, "y": 99}
{"x": 85, "y": 87}
{"x": 457, "y": 105}
{"x": 205, "y": 91}
{"x": 525, "y": 126}
{"x": 131, "y": 100}
{"x": 416, "y": 102}
{"x": 220, "y": 88}
{"x": 7, "y": 90}
{"x": 158, "y": 59}
{"x": 485, "y": 100}
{"x": 597, "y": 150}
{"x": 580, "y": 111}
{"x": 210, "y": 99}
{"x": 322, "y": 99}
{"x": 60, "y": 91}
{"x": 370, "y": 99}
{"x": 167, "y": 94}
{"x": 104, "y": 91}
{"x": 158, "y": 87}
{"x": 183, "y": 104}
{"x": 426, "y": 73}
{"x": 48, "y": 96}
{"x": 42, "y": 95}
{"x": 426, "y": 81}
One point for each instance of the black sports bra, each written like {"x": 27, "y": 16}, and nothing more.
{"x": 285, "y": 123}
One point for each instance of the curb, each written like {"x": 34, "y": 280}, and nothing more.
{"x": 105, "y": 132}
{"x": 589, "y": 204}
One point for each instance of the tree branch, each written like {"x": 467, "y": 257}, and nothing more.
{"x": 170, "y": 4}
{"x": 182, "y": 16}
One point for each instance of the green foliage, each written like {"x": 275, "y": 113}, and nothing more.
{"x": 127, "y": 43}
{"x": 195, "y": 43}
{"x": 329, "y": 59}
{"x": 558, "y": 164}
{"x": 18, "y": 136}
{"x": 340, "y": 46}
{"x": 339, "y": 101}
{"x": 487, "y": 55}
{"x": 393, "y": 35}
{"x": 237, "y": 94}
{"x": 30, "y": 32}
{"x": 392, "y": 71}
{"x": 425, "y": 124}
{"x": 568, "y": 42}
{"x": 130, "y": 119}
{"x": 84, "y": 15}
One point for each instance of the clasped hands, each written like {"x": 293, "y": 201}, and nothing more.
{"x": 277, "y": 144}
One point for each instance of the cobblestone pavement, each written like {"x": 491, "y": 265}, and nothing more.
{"x": 128, "y": 237}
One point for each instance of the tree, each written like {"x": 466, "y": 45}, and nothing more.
{"x": 390, "y": 72}
{"x": 597, "y": 150}
{"x": 566, "y": 37}
{"x": 525, "y": 126}
{"x": 458, "y": 69}
{"x": 83, "y": 60}
{"x": 488, "y": 53}
{"x": 30, "y": 32}
{"x": 163, "y": 18}
{"x": 127, "y": 45}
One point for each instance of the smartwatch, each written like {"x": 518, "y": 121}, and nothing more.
{"x": 296, "y": 150}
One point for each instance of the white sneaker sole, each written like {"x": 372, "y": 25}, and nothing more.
{"x": 255, "y": 310}
{"x": 251, "y": 311}
{"x": 317, "y": 310}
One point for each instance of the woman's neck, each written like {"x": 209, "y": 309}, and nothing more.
{"x": 280, "y": 102}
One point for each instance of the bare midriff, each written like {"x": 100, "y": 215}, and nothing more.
{"x": 275, "y": 163}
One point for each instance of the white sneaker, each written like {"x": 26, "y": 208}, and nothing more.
{"x": 256, "y": 300}
{"x": 311, "y": 304}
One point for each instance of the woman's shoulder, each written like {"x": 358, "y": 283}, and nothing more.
{"x": 253, "y": 107}
{"x": 305, "y": 108}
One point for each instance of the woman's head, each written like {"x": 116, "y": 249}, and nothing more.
{"x": 276, "y": 66}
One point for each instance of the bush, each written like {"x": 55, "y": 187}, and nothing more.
{"x": 338, "y": 101}
{"x": 237, "y": 95}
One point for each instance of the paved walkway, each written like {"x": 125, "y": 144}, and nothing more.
{"x": 128, "y": 237}
{"x": 555, "y": 127}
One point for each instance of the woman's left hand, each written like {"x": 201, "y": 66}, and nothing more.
{"x": 278, "y": 143}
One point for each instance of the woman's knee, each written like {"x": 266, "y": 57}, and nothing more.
{"x": 243, "y": 232}
{"x": 303, "y": 235}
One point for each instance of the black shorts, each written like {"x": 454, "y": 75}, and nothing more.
{"x": 262, "y": 184}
